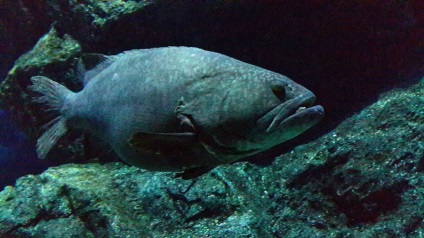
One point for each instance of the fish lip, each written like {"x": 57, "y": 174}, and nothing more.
{"x": 315, "y": 113}
{"x": 291, "y": 108}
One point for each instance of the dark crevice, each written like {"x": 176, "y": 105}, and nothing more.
{"x": 209, "y": 213}
{"x": 415, "y": 223}
{"x": 206, "y": 212}
{"x": 43, "y": 215}
{"x": 316, "y": 173}
{"x": 91, "y": 218}
{"x": 368, "y": 209}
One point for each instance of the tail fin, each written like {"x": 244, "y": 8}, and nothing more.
{"x": 54, "y": 96}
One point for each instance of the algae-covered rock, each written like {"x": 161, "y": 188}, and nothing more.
{"x": 365, "y": 174}
{"x": 363, "y": 179}
{"x": 22, "y": 23}
{"x": 110, "y": 200}
{"x": 89, "y": 21}
{"x": 54, "y": 56}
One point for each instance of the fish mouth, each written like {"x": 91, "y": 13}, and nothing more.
{"x": 299, "y": 110}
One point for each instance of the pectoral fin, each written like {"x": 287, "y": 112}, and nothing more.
{"x": 164, "y": 143}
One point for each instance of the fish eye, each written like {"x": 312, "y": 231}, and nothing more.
{"x": 279, "y": 91}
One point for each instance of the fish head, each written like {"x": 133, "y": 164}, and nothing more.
{"x": 287, "y": 110}
{"x": 294, "y": 114}
{"x": 238, "y": 119}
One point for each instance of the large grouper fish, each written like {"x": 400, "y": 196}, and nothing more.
{"x": 178, "y": 108}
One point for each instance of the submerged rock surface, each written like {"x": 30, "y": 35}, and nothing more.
{"x": 332, "y": 187}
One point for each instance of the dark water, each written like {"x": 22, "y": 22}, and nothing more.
{"x": 17, "y": 153}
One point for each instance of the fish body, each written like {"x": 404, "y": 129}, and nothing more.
{"x": 179, "y": 108}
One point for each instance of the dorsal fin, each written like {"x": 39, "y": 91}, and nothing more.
{"x": 91, "y": 65}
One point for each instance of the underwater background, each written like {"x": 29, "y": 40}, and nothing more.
{"x": 358, "y": 173}
{"x": 17, "y": 152}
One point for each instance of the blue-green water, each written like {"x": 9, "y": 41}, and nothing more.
{"x": 17, "y": 152}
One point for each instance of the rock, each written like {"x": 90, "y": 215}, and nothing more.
{"x": 363, "y": 179}
{"x": 53, "y": 56}
{"x": 23, "y": 22}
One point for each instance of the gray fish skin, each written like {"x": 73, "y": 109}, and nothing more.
{"x": 178, "y": 108}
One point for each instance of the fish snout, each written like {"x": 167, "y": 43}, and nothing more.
{"x": 298, "y": 104}
{"x": 289, "y": 108}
